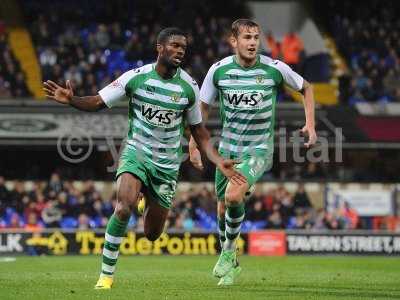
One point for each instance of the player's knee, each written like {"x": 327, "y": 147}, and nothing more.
{"x": 151, "y": 235}
{"x": 124, "y": 208}
{"x": 233, "y": 196}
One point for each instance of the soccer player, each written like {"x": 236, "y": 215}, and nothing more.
{"x": 245, "y": 85}
{"x": 161, "y": 98}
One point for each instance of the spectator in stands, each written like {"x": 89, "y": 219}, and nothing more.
{"x": 274, "y": 46}
{"x": 55, "y": 183}
{"x": 349, "y": 216}
{"x": 292, "y": 50}
{"x": 275, "y": 219}
{"x": 83, "y": 221}
{"x": 15, "y": 221}
{"x": 32, "y": 223}
{"x": 257, "y": 212}
{"x": 301, "y": 200}
{"x": 12, "y": 79}
{"x": 52, "y": 215}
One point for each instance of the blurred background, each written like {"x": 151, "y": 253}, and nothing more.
{"x": 56, "y": 162}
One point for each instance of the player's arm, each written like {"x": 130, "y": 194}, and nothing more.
{"x": 194, "y": 153}
{"x": 309, "y": 109}
{"x": 297, "y": 82}
{"x": 66, "y": 96}
{"x": 208, "y": 93}
{"x": 202, "y": 138}
{"x": 107, "y": 97}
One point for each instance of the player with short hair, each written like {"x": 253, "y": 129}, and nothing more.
{"x": 161, "y": 98}
{"x": 245, "y": 85}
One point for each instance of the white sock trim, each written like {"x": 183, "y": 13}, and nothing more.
{"x": 113, "y": 239}
{"x": 107, "y": 268}
{"x": 110, "y": 254}
{"x": 231, "y": 230}
{"x": 233, "y": 220}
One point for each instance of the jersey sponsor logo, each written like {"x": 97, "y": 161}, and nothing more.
{"x": 243, "y": 99}
{"x": 159, "y": 116}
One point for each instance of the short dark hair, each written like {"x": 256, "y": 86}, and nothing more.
{"x": 166, "y": 33}
{"x": 242, "y": 22}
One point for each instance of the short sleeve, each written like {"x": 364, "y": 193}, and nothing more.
{"x": 116, "y": 91}
{"x": 193, "y": 113}
{"x": 290, "y": 77}
{"x": 208, "y": 90}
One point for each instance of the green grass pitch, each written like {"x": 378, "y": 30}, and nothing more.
{"x": 189, "y": 277}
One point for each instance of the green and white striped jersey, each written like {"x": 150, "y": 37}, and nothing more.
{"x": 247, "y": 99}
{"x": 158, "y": 109}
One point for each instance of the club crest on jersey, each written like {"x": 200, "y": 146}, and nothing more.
{"x": 175, "y": 97}
{"x": 243, "y": 98}
{"x": 259, "y": 79}
{"x": 159, "y": 116}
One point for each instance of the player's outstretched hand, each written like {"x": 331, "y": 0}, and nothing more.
{"x": 226, "y": 167}
{"x": 58, "y": 93}
{"x": 309, "y": 131}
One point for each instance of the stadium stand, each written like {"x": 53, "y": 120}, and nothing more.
{"x": 12, "y": 78}
{"x": 368, "y": 38}
{"x": 96, "y": 52}
{"x": 88, "y": 204}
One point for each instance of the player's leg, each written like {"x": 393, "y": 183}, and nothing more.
{"x": 154, "y": 217}
{"x": 251, "y": 168}
{"x": 159, "y": 194}
{"x": 128, "y": 189}
{"x": 221, "y": 222}
{"x": 234, "y": 215}
{"x": 229, "y": 278}
{"x": 220, "y": 186}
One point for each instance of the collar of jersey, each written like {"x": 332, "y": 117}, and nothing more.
{"x": 249, "y": 68}
{"x": 178, "y": 70}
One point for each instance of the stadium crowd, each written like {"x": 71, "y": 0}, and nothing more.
{"x": 12, "y": 78}
{"x": 62, "y": 203}
{"x": 95, "y": 53}
{"x": 74, "y": 44}
{"x": 368, "y": 37}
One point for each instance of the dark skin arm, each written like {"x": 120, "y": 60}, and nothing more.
{"x": 66, "y": 96}
{"x": 202, "y": 138}
{"x": 195, "y": 157}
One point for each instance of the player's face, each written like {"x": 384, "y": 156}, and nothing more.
{"x": 247, "y": 43}
{"x": 173, "y": 51}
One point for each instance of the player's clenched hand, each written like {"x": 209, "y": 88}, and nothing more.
{"x": 58, "y": 93}
{"x": 226, "y": 167}
{"x": 309, "y": 131}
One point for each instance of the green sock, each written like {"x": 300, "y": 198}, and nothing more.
{"x": 221, "y": 231}
{"x": 234, "y": 216}
{"x": 114, "y": 233}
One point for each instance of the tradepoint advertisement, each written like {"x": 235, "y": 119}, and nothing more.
{"x": 258, "y": 243}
